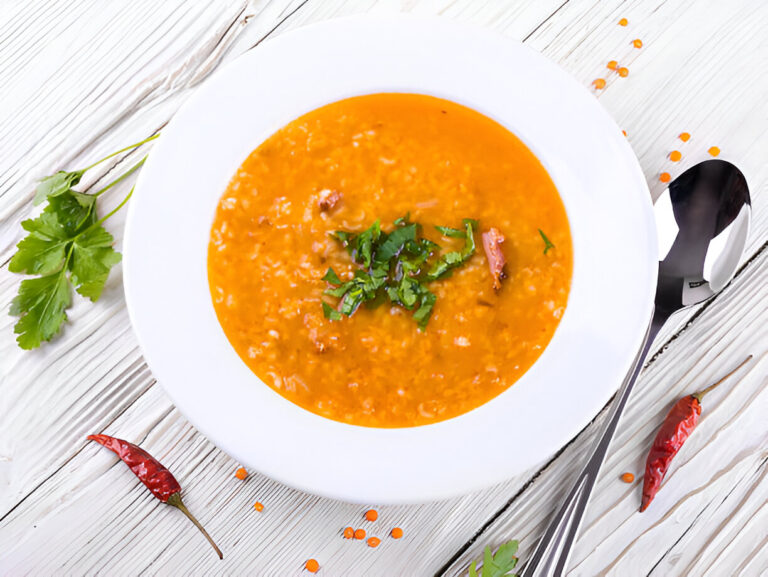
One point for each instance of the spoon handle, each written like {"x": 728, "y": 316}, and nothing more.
{"x": 551, "y": 554}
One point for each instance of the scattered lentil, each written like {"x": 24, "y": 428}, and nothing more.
{"x": 684, "y": 136}
{"x": 637, "y": 43}
{"x": 349, "y": 532}
{"x": 360, "y": 534}
{"x": 623, "y": 72}
{"x": 665, "y": 177}
{"x": 623, "y": 22}
{"x": 258, "y": 506}
{"x": 627, "y": 477}
{"x": 675, "y": 155}
{"x": 241, "y": 473}
{"x": 599, "y": 83}
{"x": 374, "y": 542}
{"x": 397, "y": 533}
{"x": 612, "y": 65}
{"x": 371, "y": 515}
{"x": 714, "y": 151}
{"x": 312, "y": 565}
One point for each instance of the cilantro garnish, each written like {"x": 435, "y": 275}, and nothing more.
{"x": 547, "y": 243}
{"x": 67, "y": 246}
{"x": 498, "y": 565}
{"x": 396, "y": 266}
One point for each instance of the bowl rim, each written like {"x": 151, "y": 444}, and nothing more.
{"x": 601, "y": 185}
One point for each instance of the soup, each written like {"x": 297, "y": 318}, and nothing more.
{"x": 410, "y": 162}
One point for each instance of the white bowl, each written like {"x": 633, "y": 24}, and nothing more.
{"x": 593, "y": 167}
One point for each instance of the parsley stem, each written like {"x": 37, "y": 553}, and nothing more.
{"x": 114, "y": 210}
{"x": 132, "y": 146}
{"x": 122, "y": 177}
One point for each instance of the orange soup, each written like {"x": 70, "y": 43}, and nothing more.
{"x": 407, "y": 161}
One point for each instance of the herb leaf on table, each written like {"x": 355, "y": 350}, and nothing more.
{"x": 67, "y": 246}
{"x": 498, "y": 565}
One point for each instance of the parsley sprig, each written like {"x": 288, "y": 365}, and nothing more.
{"x": 66, "y": 246}
{"x": 396, "y": 266}
{"x": 498, "y": 565}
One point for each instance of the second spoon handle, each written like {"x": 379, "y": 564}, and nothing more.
{"x": 551, "y": 554}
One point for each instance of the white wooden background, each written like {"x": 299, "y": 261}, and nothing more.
{"x": 79, "y": 78}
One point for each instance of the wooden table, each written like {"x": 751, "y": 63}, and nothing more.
{"x": 79, "y": 78}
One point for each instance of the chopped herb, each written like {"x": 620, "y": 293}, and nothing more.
{"x": 450, "y": 260}
{"x": 498, "y": 565}
{"x": 403, "y": 220}
{"x": 332, "y": 277}
{"x": 450, "y": 232}
{"x": 331, "y": 313}
{"x": 394, "y": 243}
{"x": 395, "y": 266}
{"x": 547, "y": 243}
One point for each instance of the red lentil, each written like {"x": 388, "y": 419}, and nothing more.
{"x": 349, "y": 532}
{"x": 637, "y": 43}
{"x": 258, "y": 506}
{"x": 627, "y": 477}
{"x": 397, "y": 533}
{"x": 360, "y": 534}
{"x": 374, "y": 542}
{"x": 665, "y": 177}
{"x": 371, "y": 515}
{"x": 714, "y": 151}
{"x": 599, "y": 83}
{"x": 312, "y": 565}
{"x": 623, "y": 72}
{"x": 623, "y": 22}
{"x": 241, "y": 473}
{"x": 684, "y": 136}
{"x": 675, "y": 155}
{"x": 612, "y": 65}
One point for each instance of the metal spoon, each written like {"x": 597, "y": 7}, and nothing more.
{"x": 703, "y": 221}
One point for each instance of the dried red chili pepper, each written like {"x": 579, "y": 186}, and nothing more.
{"x": 154, "y": 475}
{"x": 675, "y": 430}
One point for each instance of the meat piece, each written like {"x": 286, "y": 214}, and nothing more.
{"x": 496, "y": 262}
{"x": 328, "y": 199}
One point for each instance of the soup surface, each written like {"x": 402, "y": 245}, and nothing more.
{"x": 342, "y": 167}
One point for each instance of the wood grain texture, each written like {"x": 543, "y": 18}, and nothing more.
{"x": 80, "y": 78}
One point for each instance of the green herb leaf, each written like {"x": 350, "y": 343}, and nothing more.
{"x": 41, "y": 304}
{"x": 43, "y": 250}
{"x": 403, "y": 220}
{"x": 451, "y": 260}
{"x": 499, "y": 565}
{"x": 92, "y": 259}
{"x": 394, "y": 243}
{"x": 56, "y": 184}
{"x": 331, "y": 277}
{"x": 547, "y": 243}
{"x": 331, "y": 313}
{"x": 450, "y": 232}
{"x": 365, "y": 241}
{"x": 424, "y": 312}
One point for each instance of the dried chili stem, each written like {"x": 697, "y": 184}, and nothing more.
{"x": 175, "y": 501}
{"x": 701, "y": 393}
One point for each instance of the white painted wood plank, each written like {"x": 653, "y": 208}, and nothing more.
{"x": 271, "y": 544}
